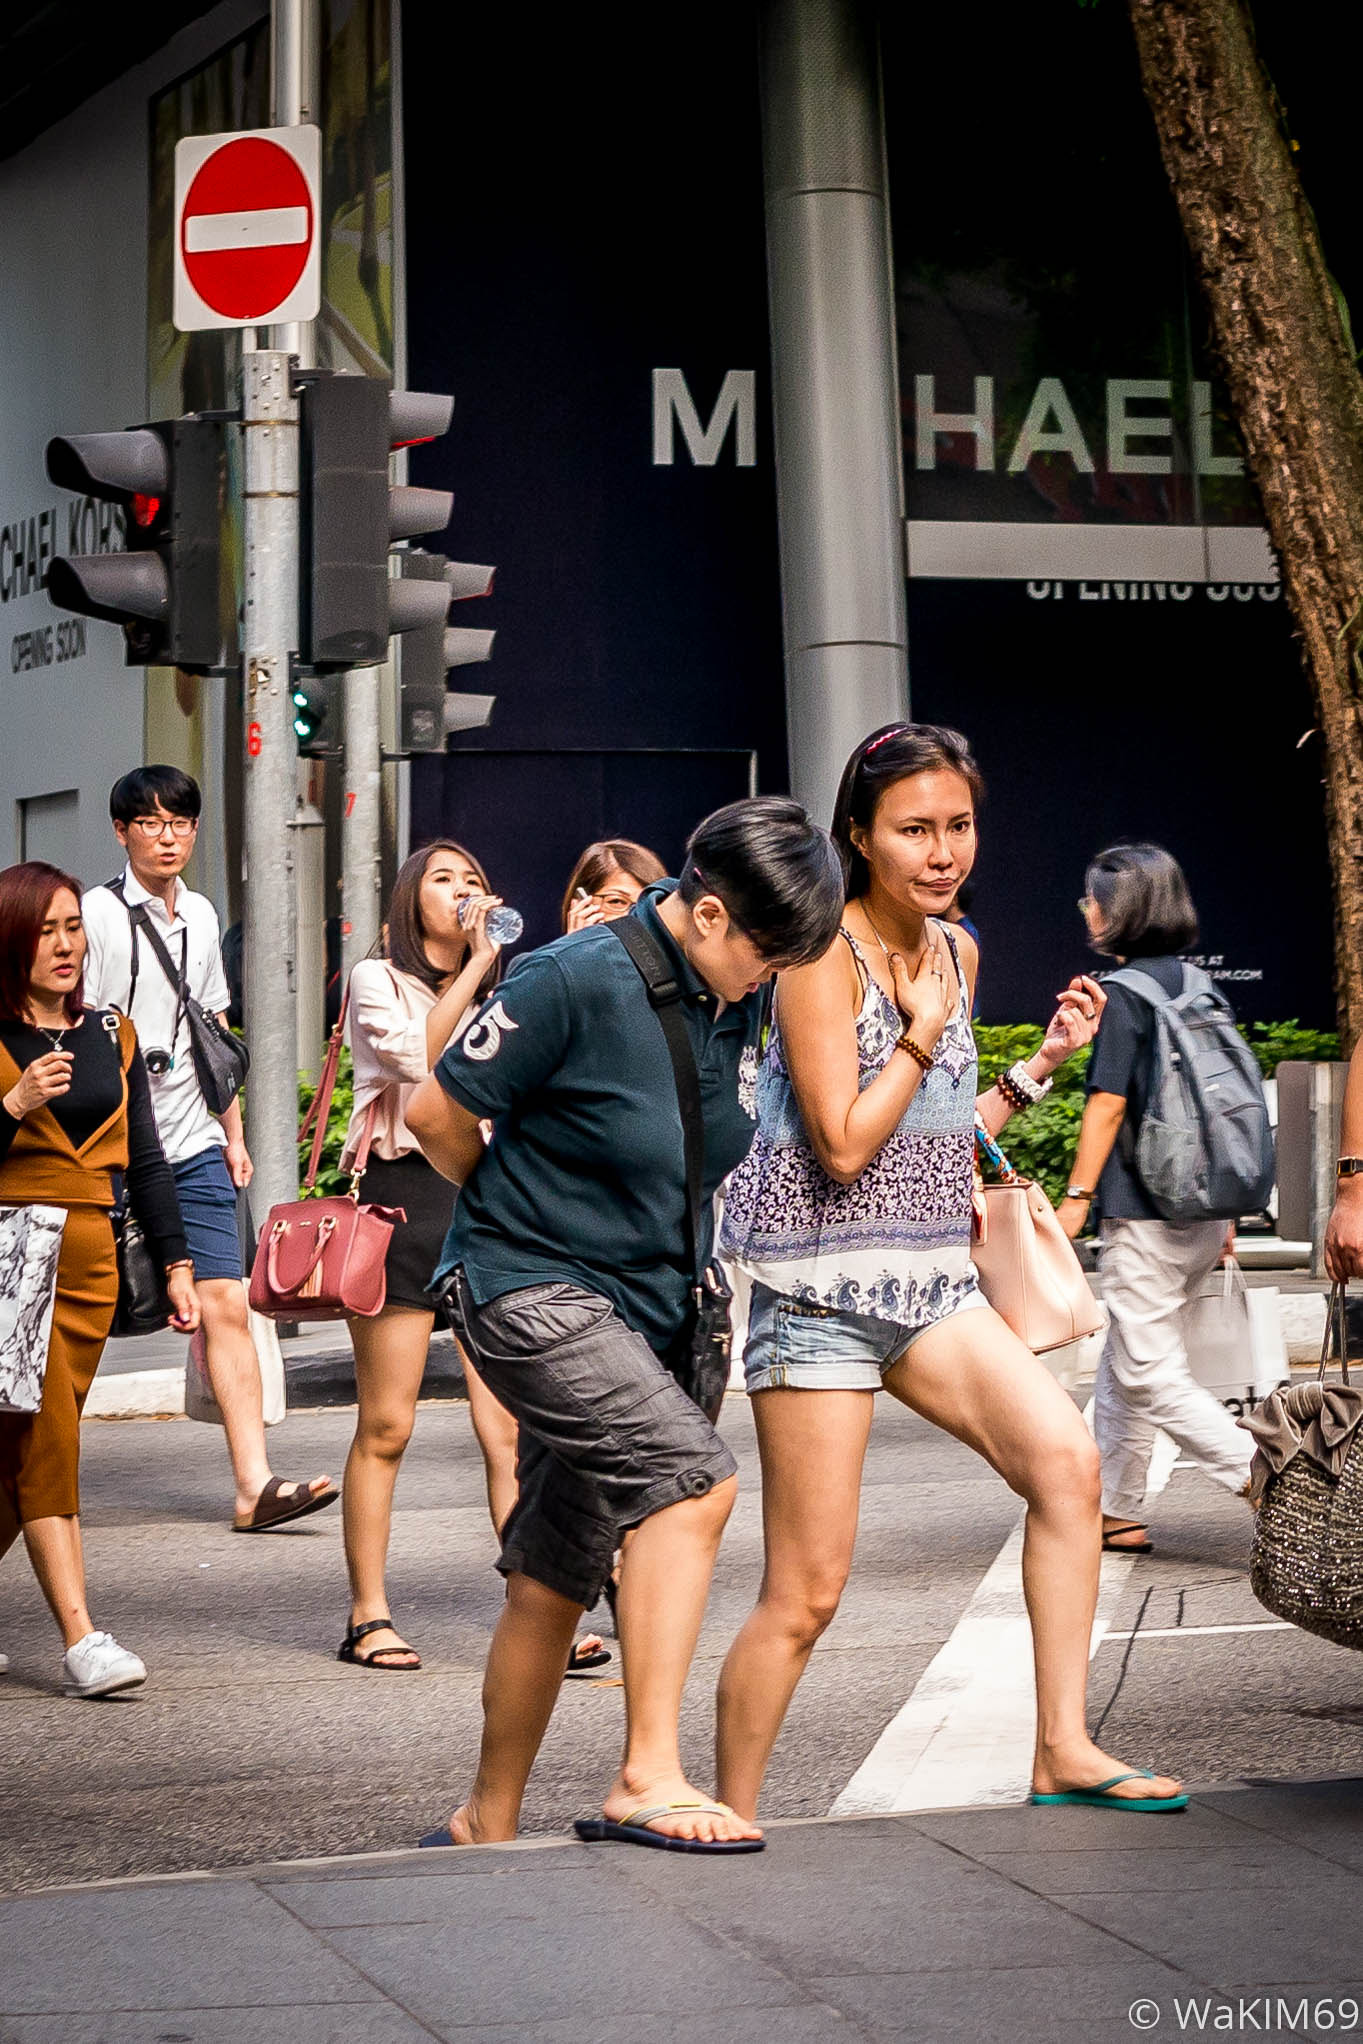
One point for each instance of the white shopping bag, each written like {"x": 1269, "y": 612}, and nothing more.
{"x": 1236, "y": 1346}
{"x": 199, "y": 1400}
{"x": 30, "y": 1250}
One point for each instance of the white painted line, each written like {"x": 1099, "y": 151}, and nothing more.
{"x": 1196, "y": 1631}
{"x": 967, "y": 1733}
{"x": 261, "y": 227}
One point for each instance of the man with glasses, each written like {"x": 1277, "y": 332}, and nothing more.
{"x": 155, "y": 812}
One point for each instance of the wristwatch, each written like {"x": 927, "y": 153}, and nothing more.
{"x": 1078, "y": 1192}
{"x": 1349, "y": 1167}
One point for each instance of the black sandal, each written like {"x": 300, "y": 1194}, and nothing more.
{"x": 1112, "y": 1544}
{"x": 584, "y": 1661}
{"x": 378, "y": 1659}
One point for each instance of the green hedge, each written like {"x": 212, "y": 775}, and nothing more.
{"x": 1039, "y": 1143}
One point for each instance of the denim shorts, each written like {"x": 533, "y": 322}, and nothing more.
{"x": 208, "y": 1203}
{"x": 607, "y": 1437}
{"x": 797, "y": 1346}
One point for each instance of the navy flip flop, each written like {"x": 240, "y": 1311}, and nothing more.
{"x": 440, "y": 1837}
{"x": 633, "y": 1830}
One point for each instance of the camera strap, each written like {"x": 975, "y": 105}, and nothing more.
{"x": 140, "y": 922}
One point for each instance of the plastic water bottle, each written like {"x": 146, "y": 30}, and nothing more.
{"x": 505, "y": 926}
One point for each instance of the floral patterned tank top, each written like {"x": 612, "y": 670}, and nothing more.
{"x": 895, "y": 1245}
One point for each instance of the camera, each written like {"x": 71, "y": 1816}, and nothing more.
{"x": 158, "y": 1062}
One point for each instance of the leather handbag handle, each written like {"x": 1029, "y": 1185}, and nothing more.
{"x": 277, "y": 1234}
{"x": 319, "y": 1110}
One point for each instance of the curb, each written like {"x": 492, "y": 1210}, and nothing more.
{"x": 313, "y": 1383}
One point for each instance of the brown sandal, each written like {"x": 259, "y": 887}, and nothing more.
{"x": 272, "y": 1509}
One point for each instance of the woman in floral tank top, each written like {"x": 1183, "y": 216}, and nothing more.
{"x": 852, "y": 1216}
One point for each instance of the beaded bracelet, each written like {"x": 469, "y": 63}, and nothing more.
{"x": 916, "y": 1051}
{"x": 1012, "y": 1094}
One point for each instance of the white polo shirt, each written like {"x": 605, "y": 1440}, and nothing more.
{"x": 183, "y": 1120}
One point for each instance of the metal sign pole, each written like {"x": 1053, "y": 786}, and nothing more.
{"x": 360, "y": 877}
{"x": 269, "y": 637}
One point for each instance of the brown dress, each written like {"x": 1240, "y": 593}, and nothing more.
{"x": 40, "y": 1455}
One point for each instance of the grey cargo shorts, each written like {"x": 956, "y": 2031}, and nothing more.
{"x": 607, "y": 1435}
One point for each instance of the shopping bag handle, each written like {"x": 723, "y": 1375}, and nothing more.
{"x": 1336, "y": 1323}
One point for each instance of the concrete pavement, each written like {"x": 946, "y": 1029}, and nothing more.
{"x": 1023, "y": 1924}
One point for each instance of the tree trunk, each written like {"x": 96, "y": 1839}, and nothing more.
{"x": 1292, "y": 379}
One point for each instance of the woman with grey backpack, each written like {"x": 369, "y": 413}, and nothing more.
{"x": 1174, "y": 1146}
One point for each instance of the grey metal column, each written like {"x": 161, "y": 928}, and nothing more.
{"x": 360, "y": 816}
{"x": 294, "y": 84}
{"x": 269, "y": 636}
{"x": 835, "y": 386}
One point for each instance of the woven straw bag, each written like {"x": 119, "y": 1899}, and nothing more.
{"x": 1307, "y": 1563}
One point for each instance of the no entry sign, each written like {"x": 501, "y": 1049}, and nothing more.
{"x": 247, "y": 249}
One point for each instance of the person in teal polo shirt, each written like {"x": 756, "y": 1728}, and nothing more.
{"x": 566, "y": 1273}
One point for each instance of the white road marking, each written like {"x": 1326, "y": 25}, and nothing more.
{"x": 1195, "y": 1631}
{"x": 967, "y": 1732}
{"x": 258, "y": 227}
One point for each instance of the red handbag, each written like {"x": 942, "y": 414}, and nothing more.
{"x": 319, "y": 1259}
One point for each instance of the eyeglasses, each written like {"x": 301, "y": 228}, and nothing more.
{"x": 157, "y": 826}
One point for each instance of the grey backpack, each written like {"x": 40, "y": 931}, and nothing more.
{"x": 1204, "y": 1149}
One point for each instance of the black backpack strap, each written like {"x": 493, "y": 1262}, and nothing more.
{"x": 664, "y": 993}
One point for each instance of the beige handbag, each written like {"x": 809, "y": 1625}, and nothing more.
{"x": 1028, "y": 1269}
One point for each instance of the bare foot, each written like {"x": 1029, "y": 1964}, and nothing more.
{"x": 711, "y": 1824}
{"x": 467, "y": 1828}
{"x": 1083, "y": 1765}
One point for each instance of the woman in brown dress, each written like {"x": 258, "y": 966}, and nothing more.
{"x": 74, "y": 1109}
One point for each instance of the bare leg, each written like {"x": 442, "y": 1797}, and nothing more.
{"x": 390, "y": 1356}
{"x": 55, "y": 1551}
{"x": 664, "y": 1581}
{"x": 813, "y": 1446}
{"x": 973, "y": 1377}
{"x": 234, "y": 1373}
{"x": 495, "y": 1430}
{"x": 521, "y": 1684}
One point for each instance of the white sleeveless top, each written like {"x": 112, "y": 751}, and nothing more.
{"x": 894, "y": 1245}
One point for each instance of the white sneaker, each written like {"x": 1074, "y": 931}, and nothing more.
{"x": 97, "y": 1666}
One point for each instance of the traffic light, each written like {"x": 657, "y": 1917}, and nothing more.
{"x": 163, "y": 590}
{"x": 428, "y": 711}
{"x": 314, "y": 701}
{"x": 351, "y": 516}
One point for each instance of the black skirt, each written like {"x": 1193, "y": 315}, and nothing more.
{"x": 410, "y": 1182}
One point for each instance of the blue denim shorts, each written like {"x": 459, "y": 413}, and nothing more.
{"x": 796, "y": 1346}
{"x": 208, "y": 1203}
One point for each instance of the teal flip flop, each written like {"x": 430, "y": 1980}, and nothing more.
{"x": 1101, "y": 1796}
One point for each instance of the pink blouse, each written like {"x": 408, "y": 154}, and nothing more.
{"x": 386, "y": 1031}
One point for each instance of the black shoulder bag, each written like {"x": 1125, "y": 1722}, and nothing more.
{"x": 221, "y": 1059}
{"x": 699, "y": 1358}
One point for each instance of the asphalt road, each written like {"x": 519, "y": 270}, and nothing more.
{"x": 251, "y": 1742}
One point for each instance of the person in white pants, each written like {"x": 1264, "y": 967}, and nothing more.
{"x": 1137, "y": 907}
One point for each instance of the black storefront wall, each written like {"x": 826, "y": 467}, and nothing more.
{"x": 1038, "y": 251}
{"x": 584, "y": 206}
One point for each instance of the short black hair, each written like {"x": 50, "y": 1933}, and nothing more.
{"x": 776, "y": 872}
{"x": 138, "y": 793}
{"x": 885, "y": 756}
{"x": 1143, "y": 899}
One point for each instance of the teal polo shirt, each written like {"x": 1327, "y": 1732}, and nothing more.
{"x": 584, "y": 1180}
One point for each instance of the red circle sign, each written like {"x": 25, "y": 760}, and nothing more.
{"x": 246, "y": 228}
